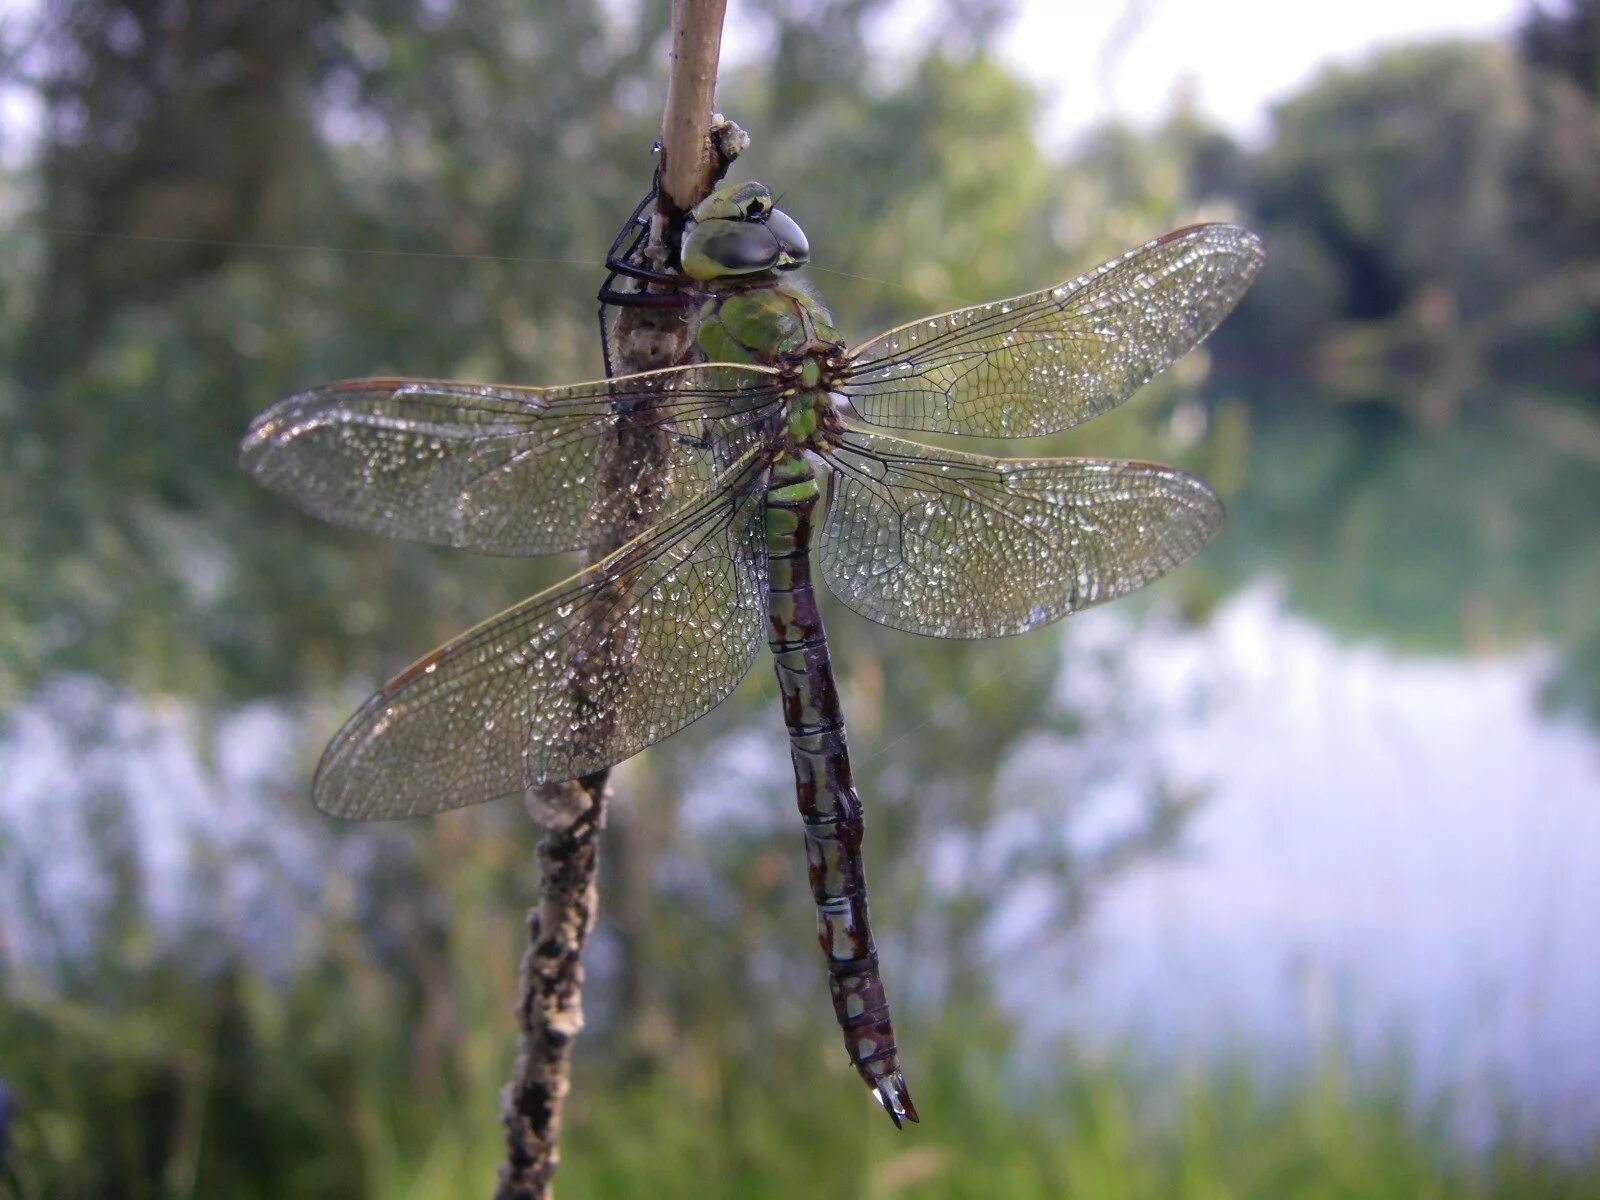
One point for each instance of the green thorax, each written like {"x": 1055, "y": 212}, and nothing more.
{"x": 777, "y": 324}
{"x": 769, "y": 324}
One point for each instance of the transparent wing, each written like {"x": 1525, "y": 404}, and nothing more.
{"x": 964, "y": 546}
{"x": 573, "y": 680}
{"x": 505, "y": 470}
{"x": 1045, "y": 361}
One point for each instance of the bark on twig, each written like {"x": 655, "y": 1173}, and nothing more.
{"x": 689, "y": 165}
{"x": 550, "y": 993}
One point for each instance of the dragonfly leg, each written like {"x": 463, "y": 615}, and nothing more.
{"x": 624, "y": 260}
{"x": 645, "y": 299}
{"x": 622, "y": 264}
{"x": 830, "y": 809}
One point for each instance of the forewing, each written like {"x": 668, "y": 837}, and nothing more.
{"x": 1052, "y": 359}
{"x": 964, "y": 546}
{"x": 573, "y": 680}
{"x": 506, "y": 470}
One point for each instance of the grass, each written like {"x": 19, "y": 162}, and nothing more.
{"x": 275, "y": 1102}
{"x": 711, "y": 1128}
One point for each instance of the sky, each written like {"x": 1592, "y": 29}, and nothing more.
{"x": 1236, "y": 57}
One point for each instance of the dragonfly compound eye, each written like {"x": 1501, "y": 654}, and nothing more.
{"x": 793, "y": 249}
{"x": 719, "y": 248}
{"x": 723, "y": 249}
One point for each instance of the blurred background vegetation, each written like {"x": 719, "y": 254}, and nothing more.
{"x": 207, "y": 989}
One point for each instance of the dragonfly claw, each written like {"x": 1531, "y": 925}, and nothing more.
{"x": 891, "y": 1092}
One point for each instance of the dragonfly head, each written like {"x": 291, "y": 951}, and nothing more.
{"x": 735, "y": 232}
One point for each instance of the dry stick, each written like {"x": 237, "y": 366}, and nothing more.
{"x": 690, "y": 167}
{"x": 550, "y": 994}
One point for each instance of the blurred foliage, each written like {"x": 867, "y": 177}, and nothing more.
{"x": 1430, "y": 219}
{"x": 234, "y": 200}
{"x": 1434, "y": 236}
{"x": 1421, "y": 362}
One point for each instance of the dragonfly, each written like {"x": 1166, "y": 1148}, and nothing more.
{"x": 699, "y": 492}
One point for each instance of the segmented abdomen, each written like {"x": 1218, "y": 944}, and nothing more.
{"x": 829, "y": 806}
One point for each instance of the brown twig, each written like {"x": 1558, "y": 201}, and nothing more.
{"x": 550, "y": 994}
{"x": 690, "y": 165}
